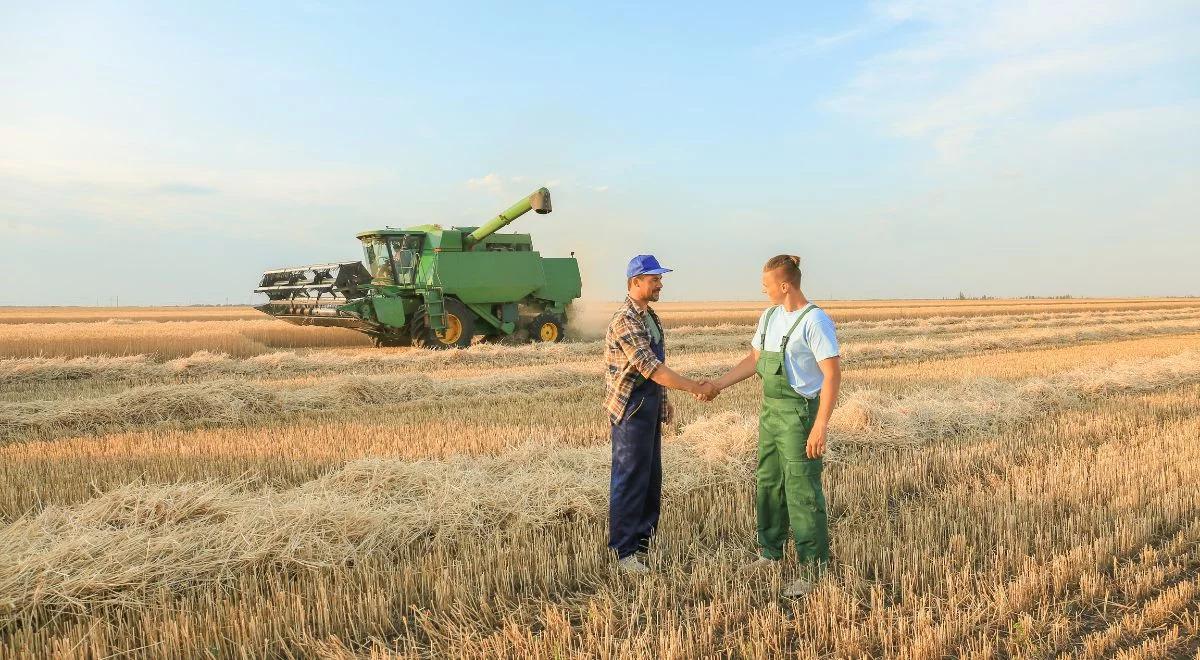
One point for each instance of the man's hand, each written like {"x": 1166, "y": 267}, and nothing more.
{"x": 831, "y": 369}
{"x": 708, "y": 391}
{"x": 816, "y": 442}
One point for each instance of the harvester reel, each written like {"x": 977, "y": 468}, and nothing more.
{"x": 460, "y": 327}
{"x": 547, "y": 328}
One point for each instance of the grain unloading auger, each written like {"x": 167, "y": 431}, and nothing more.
{"x": 435, "y": 287}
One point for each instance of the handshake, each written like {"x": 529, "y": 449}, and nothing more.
{"x": 706, "y": 390}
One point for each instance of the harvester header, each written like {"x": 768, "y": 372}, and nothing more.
{"x": 429, "y": 286}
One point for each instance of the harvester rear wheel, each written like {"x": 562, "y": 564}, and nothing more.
{"x": 460, "y": 328}
{"x": 547, "y": 327}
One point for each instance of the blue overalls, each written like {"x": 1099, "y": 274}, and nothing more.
{"x": 635, "y": 492}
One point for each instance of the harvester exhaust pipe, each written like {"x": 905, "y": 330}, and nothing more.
{"x": 538, "y": 202}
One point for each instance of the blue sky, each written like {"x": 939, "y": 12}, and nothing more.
{"x": 167, "y": 154}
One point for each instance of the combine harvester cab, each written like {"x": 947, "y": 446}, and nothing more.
{"x": 434, "y": 287}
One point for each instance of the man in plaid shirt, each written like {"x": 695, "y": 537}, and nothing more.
{"x": 635, "y": 384}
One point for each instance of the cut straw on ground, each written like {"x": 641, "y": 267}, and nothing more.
{"x": 128, "y": 542}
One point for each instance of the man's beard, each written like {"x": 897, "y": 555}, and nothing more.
{"x": 654, "y": 296}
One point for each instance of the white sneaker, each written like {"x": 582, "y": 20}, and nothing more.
{"x": 799, "y": 588}
{"x": 632, "y": 565}
{"x": 760, "y": 564}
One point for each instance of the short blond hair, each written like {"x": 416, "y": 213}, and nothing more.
{"x": 789, "y": 264}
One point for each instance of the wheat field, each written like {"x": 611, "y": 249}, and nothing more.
{"x": 1006, "y": 478}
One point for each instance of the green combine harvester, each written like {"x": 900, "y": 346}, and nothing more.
{"x": 434, "y": 287}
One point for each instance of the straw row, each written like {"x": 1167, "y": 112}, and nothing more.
{"x": 204, "y": 364}
{"x": 119, "y": 546}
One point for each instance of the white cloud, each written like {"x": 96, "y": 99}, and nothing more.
{"x": 968, "y": 69}
{"x": 491, "y": 182}
{"x": 793, "y": 46}
{"x": 1056, "y": 143}
{"x": 26, "y": 230}
{"x": 1161, "y": 122}
{"x": 510, "y": 186}
{"x": 98, "y": 166}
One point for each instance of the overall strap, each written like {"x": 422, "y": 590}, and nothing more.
{"x": 783, "y": 345}
{"x": 766, "y": 322}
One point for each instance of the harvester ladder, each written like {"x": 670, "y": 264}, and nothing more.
{"x": 435, "y": 308}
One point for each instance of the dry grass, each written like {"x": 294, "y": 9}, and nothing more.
{"x": 1017, "y": 487}
{"x": 974, "y": 575}
{"x": 702, "y": 314}
{"x": 178, "y": 332}
{"x": 122, "y": 314}
{"x": 116, "y": 548}
{"x": 862, "y": 345}
{"x": 933, "y": 325}
{"x": 173, "y": 339}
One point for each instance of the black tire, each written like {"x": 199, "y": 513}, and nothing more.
{"x": 547, "y": 327}
{"x": 459, "y": 331}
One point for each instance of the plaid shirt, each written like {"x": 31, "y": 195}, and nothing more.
{"x": 629, "y": 358}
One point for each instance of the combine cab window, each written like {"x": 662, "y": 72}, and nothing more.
{"x": 393, "y": 259}
{"x": 406, "y": 251}
{"x": 378, "y": 260}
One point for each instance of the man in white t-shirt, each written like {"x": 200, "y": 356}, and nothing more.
{"x": 794, "y": 351}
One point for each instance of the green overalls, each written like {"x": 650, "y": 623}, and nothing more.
{"x": 789, "y": 483}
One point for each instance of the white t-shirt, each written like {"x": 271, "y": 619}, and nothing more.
{"x": 812, "y": 341}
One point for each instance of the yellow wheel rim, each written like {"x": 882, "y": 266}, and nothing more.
{"x": 453, "y": 331}
{"x": 548, "y": 331}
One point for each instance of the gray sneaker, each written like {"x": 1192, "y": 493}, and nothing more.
{"x": 799, "y": 588}
{"x": 632, "y": 565}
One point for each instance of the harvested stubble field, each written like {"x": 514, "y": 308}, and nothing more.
{"x": 1006, "y": 478}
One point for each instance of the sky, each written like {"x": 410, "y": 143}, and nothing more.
{"x": 168, "y": 153}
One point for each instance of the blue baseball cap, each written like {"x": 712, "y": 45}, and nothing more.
{"x": 644, "y": 264}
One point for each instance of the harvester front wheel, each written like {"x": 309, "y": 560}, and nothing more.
{"x": 547, "y": 327}
{"x": 460, "y": 327}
